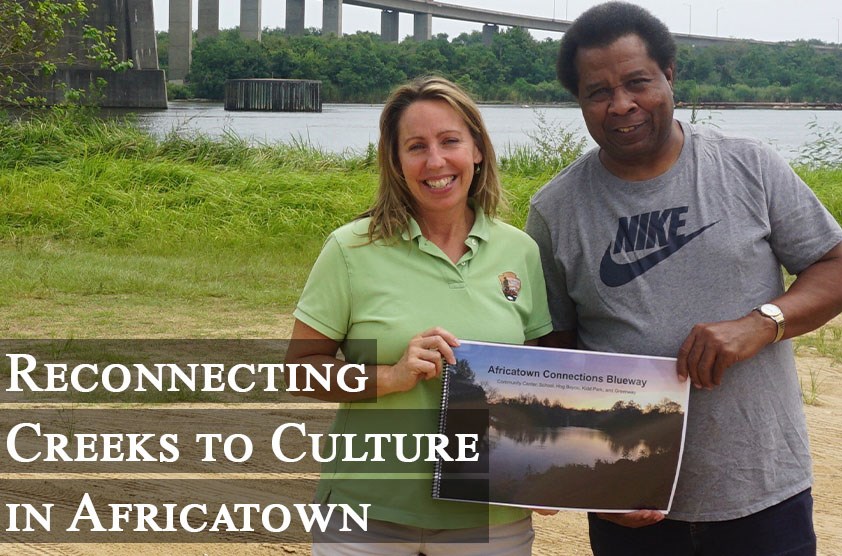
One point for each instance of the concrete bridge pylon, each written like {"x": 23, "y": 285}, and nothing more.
{"x": 295, "y": 17}
{"x": 208, "y": 19}
{"x": 332, "y": 17}
{"x": 142, "y": 86}
{"x": 181, "y": 39}
{"x": 389, "y": 25}
{"x": 250, "y": 27}
{"x": 423, "y": 13}
{"x": 423, "y": 28}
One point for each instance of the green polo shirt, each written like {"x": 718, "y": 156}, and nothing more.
{"x": 391, "y": 291}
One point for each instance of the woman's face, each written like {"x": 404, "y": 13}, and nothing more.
{"x": 437, "y": 156}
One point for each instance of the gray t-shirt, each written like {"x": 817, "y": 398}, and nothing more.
{"x": 632, "y": 266}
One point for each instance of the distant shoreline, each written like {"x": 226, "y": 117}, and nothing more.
{"x": 761, "y": 105}
{"x": 705, "y": 105}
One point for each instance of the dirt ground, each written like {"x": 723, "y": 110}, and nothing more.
{"x": 564, "y": 533}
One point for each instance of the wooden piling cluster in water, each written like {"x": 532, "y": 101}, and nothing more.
{"x": 274, "y": 95}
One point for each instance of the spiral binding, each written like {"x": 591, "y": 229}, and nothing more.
{"x": 445, "y": 385}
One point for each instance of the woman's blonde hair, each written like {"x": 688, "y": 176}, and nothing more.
{"x": 394, "y": 203}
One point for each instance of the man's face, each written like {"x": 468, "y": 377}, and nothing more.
{"x": 627, "y": 103}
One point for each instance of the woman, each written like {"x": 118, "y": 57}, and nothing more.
{"x": 428, "y": 256}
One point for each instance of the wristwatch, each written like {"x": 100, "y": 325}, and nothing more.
{"x": 773, "y": 312}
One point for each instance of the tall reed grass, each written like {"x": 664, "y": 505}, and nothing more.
{"x": 94, "y": 206}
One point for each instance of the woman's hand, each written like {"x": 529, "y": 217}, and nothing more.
{"x": 422, "y": 360}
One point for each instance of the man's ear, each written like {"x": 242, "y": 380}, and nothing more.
{"x": 669, "y": 73}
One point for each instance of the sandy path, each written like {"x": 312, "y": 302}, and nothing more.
{"x": 565, "y": 533}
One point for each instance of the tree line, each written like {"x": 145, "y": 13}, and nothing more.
{"x": 525, "y": 411}
{"x": 515, "y": 68}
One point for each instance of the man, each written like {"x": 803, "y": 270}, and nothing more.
{"x": 668, "y": 239}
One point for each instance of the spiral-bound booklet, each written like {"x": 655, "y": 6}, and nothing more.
{"x": 563, "y": 429}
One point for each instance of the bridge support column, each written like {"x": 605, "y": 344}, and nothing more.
{"x": 488, "y": 32}
{"x": 389, "y": 25}
{"x": 181, "y": 39}
{"x": 208, "y": 19}
{"x": 423, "y": 27}
{"x": 295, "y": 17}
{"x": 332, "y": 17}
{"x": 144, "y": 45}
{"x": 250, "y": 27}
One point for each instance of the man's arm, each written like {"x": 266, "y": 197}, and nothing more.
{"x": 559, "y": 339}
{"x": 813, "y": 299}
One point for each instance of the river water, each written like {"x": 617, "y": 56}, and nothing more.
{"x": 545, "y": 447}
{"x": 351, "y": 127}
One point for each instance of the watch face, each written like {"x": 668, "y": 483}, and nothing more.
{"x": 770, "y": 310}
{"x": 774, "y": 312}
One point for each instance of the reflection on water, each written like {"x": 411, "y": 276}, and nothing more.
{"x": 543, "y": 447}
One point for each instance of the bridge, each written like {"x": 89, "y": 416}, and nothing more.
{"x": 143, "y": 86}
{"x": 423, "y": 11}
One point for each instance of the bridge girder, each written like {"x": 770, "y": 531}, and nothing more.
{"x": 423, "y": 11}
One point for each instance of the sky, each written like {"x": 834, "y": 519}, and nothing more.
{"x": 766, "y": 20}
{"x": 659, "y": 373}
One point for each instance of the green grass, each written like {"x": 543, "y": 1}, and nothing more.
{"x": 100, "y": 208}
{"x": 827, "y": 184}
{"x": 42, "y": 269}
{"x": 824, "y": 342}
{"x": 106, "y": 232}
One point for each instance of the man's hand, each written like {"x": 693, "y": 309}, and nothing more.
{"x": 639, "y": 518}
{"x": 712, "y": 347}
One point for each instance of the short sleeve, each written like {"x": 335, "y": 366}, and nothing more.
{"x": 538, "y": 321}
{"x": 801, "y": 228}
{"x": 325, "y": 303}
{"x": 561, "y": 306}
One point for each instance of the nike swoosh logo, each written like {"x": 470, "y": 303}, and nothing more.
{"x": 617, "y": 274}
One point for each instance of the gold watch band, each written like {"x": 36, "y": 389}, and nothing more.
{"x": 773, "y": 312}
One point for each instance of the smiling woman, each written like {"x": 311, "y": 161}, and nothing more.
{"x": 437, "y": 156}
{"x": 410, "y": 132}
{"x": 428, "y": 256}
